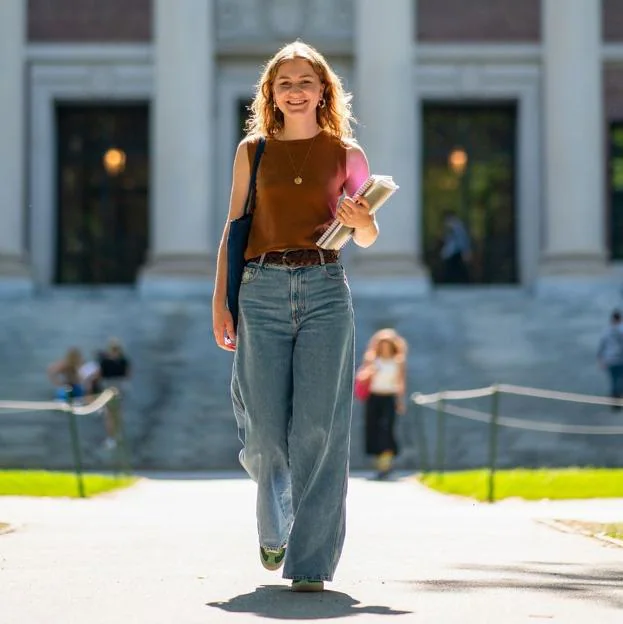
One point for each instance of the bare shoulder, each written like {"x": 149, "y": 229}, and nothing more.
{"x": 352, "y": 145}
{"x": 355, "y": 156}
{"x": 250, "y": 139}
{"x": 244, "y": 145}
{"x": 246, "y": 148}
{"x": 243, "y": 152}
{"x": 357, "y": 167}
{"x": 241, "y": 174}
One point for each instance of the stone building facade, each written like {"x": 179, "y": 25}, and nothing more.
{"x": 119, "y": 121}
{"x": 555, "y": 67}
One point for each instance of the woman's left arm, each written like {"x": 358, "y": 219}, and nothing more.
{"x": 355, "y": 212}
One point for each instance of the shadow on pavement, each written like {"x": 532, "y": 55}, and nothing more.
{"x": 601, "y": 585}
{"x": 278, "y": 602}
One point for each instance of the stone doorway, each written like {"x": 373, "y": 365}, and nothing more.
{"x": 469, "y": 169}
{"x": 103, "y": 192}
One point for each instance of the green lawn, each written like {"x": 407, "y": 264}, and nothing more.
{"x": 43, "y": 483}
{"x": 567, "y": 483}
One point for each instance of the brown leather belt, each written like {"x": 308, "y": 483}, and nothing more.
{"x": 299, "y": 257}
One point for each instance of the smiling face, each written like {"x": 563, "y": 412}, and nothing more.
{"x": 297, "y": 89}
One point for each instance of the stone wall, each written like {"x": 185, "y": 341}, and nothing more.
{"x": 178, "y": 412}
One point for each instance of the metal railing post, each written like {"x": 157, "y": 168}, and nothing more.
{"x": 121, "y": 450}
{"x": 421, "y": 436}
{"x": 441, "y": 437}
{"x": 75, "y": 443}
{"x": 493, "y": 442}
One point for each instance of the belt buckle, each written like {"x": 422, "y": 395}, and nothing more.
{"x": 284, "y": 257}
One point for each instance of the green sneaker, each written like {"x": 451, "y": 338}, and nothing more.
{"x": 272, "y": 558}
{"x": 307, "y": 585}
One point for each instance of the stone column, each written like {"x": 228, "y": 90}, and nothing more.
{"x": 181, "y": 237}
{"x": 14, "y": 274}
{"x": 573, "y": 125}
{"x": 386, "y": 106}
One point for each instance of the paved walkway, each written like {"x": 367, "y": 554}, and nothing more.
{"x": 183, "y": 551}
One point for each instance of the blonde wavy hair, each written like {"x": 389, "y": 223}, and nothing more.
{"x": 72, "y": 363}
{"x": 335, "y": 117}
{"x": 391, "y": 336}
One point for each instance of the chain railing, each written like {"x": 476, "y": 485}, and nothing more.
{"x": 439, "y": 401}
{"x": 74, "y": 408}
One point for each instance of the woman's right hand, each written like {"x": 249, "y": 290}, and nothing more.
{"x": 223, "y": 328}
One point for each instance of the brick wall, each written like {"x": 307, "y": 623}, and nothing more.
{"x": 89, "y": 21}
{"x": 485, "y": 21}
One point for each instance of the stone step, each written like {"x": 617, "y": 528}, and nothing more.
{"x": 178, "y": 413}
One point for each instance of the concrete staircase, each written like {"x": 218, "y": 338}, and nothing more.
{"x": 178, "y": 414}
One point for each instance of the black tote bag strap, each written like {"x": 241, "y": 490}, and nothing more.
{"x": 256, "y": 163}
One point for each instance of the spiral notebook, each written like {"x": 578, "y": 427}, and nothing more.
{"x": 377, "y": 189}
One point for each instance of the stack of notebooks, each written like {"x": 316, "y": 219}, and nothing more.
{"x": 377, "y": 189}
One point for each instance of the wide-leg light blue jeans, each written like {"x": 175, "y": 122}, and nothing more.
{"x": 292, "y": 389}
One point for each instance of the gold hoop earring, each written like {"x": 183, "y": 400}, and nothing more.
{"x": 274, "y": 106}
{"x": 322, "y": 103}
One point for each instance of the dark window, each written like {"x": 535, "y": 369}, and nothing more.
{"x": 616, "y": 191}
{"x": 103, "y": 184}
{"x": 469, "y": 169}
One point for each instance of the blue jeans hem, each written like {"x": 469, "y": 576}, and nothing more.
{"x": 273, "y": 548}
{"x": 303, "y": 577}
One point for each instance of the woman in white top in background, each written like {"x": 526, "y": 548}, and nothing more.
{"x": 384, "y": 365}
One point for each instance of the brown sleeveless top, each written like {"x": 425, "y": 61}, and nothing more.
{"x": 289, "y": 215}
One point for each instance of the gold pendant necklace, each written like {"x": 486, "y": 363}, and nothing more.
{"x": 298, "y": 179}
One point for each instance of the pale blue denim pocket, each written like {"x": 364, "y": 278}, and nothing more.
{"x": 335, "y": 271}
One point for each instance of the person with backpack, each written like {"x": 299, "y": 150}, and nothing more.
{"x": 114, "y": 371}
{"x": 610, "y": 355}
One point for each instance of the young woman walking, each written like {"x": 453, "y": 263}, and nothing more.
{"x": 293, "y": 365}
{"x": 384, "y": 369}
